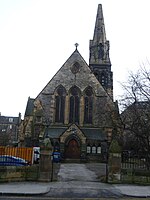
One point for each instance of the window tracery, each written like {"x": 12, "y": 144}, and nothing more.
{"x": 75, "y": 68}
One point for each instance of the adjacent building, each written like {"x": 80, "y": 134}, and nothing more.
{"x": 9, "y": 130}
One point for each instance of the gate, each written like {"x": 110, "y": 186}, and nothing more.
{"x": 135, "y": 167}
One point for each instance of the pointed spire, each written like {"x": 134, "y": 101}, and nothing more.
{"x": 99, "y": 46}
{"x": 99, "y": 60}
{"x": 99, "y": 32}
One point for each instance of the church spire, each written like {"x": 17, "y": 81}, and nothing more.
{"x": 99, "y": 32}
{"x": 99, "y": 54}
{"x": 99, "y": 46}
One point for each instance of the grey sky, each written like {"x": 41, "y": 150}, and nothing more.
{"x": 38, "y": 36}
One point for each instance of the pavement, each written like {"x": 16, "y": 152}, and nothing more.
{"x": 74, "y": 180}
{"x": 37, "y": 188}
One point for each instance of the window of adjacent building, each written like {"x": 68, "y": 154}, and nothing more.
{"x": 60, "y": 104}
{"x": 74, "y": 104}
{"x": 11, "y": 119}
{"x": 88, "y": 105}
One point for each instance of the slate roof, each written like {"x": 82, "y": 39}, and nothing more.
{"x": 9, "y": 120}
{"x": 94, "y": 134}
{"x": 90, "y": 133}
{"x": 55, "y": 132}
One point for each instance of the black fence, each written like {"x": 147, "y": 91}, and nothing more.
{"x": 135, "y": 167}
{"x": 136, "y": 161}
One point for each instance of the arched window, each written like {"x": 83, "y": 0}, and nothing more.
{"x": 88, "y": 105}
{"x": 74, "y": 104}
{"x": 60, "y": 104}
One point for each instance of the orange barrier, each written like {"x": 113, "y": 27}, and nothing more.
{"x": 22, "y": 152}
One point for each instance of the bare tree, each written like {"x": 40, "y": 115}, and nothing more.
{"x": 136, "y": 114}
{"x": 4, "y": 139}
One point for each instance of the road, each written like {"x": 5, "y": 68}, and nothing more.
{"x": 49, "y": 198}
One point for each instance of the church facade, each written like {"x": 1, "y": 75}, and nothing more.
{"x": 75, "y": 109}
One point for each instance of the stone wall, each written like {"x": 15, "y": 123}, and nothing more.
{"x": 27, "y": 173}
{"x": 17, "y": 173}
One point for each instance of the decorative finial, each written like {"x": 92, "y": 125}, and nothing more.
{"x": 76, "y": 45}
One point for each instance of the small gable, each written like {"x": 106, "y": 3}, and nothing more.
{"x": 29, "y": 107}
{"x": 72, "y": 131}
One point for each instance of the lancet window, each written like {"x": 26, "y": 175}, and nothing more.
{"x": 74, "y": 104}
{"x": 60, "y": 104}
{"x": 88, "y": 105}
{"x": 104, "y": 79}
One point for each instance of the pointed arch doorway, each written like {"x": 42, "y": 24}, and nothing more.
{"x": 72, "y": 149}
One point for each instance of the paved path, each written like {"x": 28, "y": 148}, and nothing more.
{"x": 75, "y": 172}
{"x": 76, "y": 180}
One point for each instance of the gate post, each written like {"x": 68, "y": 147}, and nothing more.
{"x": 45, "y": 165}
{"x": 114, "y": 163}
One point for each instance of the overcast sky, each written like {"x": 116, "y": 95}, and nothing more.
{"x": 38, "y": 36}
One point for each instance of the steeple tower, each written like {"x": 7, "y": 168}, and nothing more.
{"x": 99, "y": 54}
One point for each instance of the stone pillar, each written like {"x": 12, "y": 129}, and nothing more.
{"x": 52, "y": 109}
{"x": 81, "y": 110}
{"x": 66, "y": 121}
{"x": 114, "y": 162}
{"x": 114, "y": 168}
{"x": 46, "y": 165}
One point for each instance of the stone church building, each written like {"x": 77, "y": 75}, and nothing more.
{"x": 75, "y": 109}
